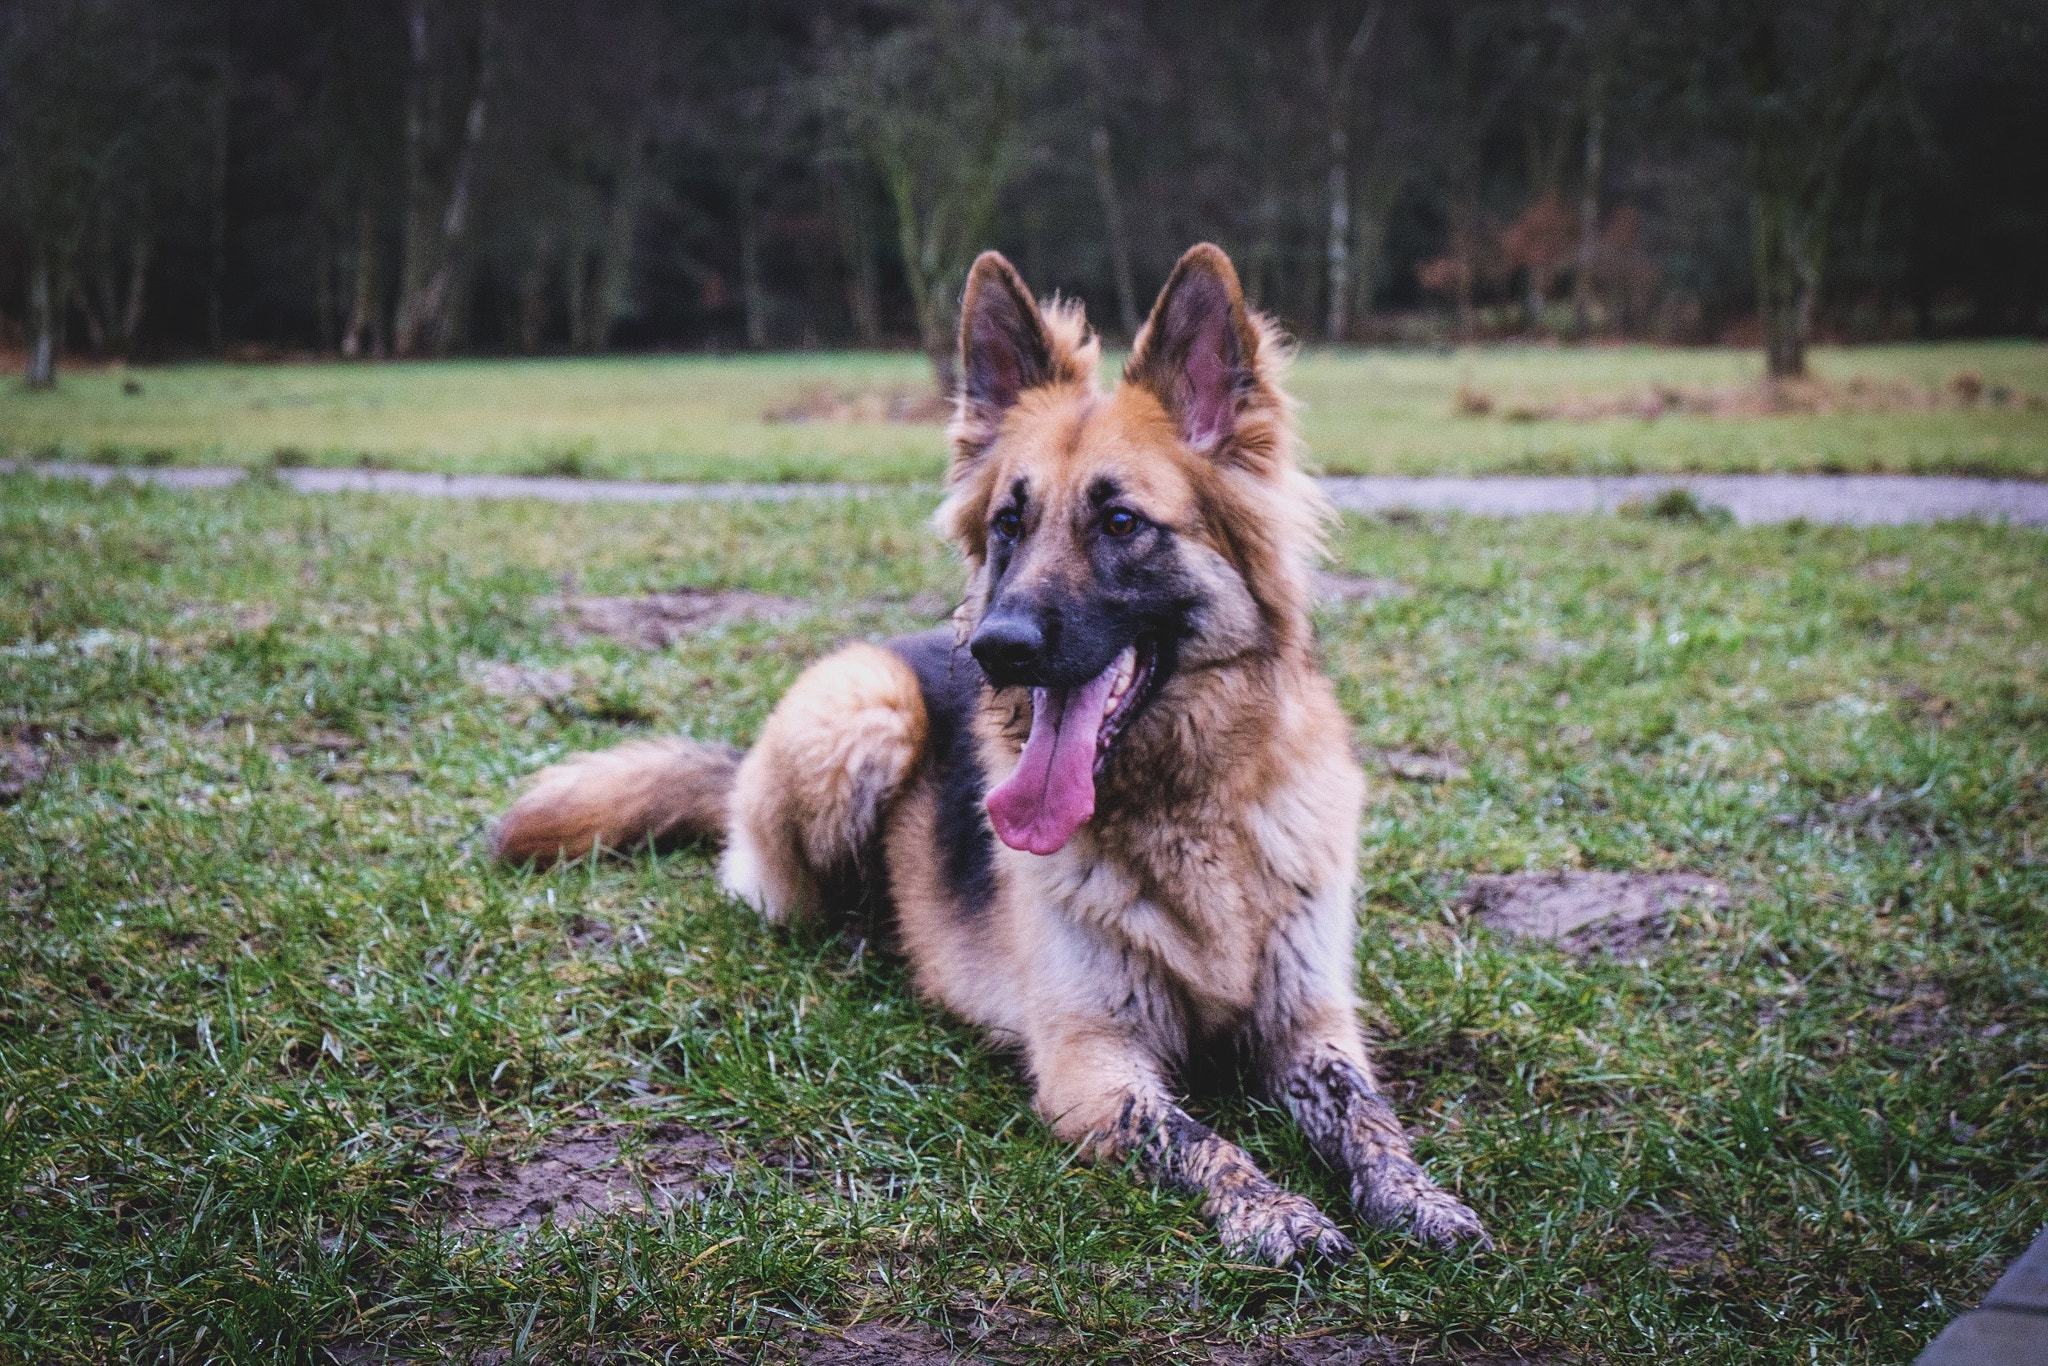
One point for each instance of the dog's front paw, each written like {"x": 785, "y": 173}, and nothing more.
{"x": 1412, "y": 1203}
{"x": 1278, "y": 1228}
{"x": 1441, "y": 1219}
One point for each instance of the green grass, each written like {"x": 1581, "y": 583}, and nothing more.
{"x": 1365, "y": 412}
{"x": 259, "y": 832}
{"x": 1369, "y": 412}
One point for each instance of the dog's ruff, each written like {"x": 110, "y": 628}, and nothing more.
{"x": 1136, "y": 617}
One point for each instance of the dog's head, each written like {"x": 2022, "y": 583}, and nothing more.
{"x": 1119, "y": 542}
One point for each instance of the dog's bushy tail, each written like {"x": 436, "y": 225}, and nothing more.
{"x": 662, "y": 792}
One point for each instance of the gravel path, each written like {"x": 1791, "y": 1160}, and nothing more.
{"x": 547, "y": 489}
{"x": 1859, "y": 499}
{"x": 1863, "y": 500}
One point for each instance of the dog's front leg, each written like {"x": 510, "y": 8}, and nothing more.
{"x": 1323, "y": 1080}
{"x": 1106, "y": 1095}
{"x": 1253, "y": 1217}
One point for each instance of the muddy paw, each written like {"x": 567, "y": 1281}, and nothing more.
{"x": 1279, "y": 1228}
{"x": 1431, "y": 1214}
{"x": 1443, "y": 1220}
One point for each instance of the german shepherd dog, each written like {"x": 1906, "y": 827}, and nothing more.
{"x": 1114, "y": 808}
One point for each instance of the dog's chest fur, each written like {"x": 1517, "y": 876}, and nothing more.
{"x": 1207, "y": 884}
{"x": 1192, "y": 916}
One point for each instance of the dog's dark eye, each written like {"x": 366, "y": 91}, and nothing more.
{"x": 1008, "y": 524}
{"x": 1119, "y": 523}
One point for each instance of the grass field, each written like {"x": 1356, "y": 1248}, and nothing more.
{"x": 259, "y": 986}
{"x": 1365, "y": 412}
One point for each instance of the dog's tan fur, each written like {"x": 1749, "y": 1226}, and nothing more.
{"x": 659, "y": 791}
{"x": 1209, "y": 901}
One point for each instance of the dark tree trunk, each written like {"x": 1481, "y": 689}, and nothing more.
{"x": 1115, "y": 235}
{"x": 217, "y": 260}
{"x": 615, "y": 255}
{"x": 361, "y": 338}
{"x": 1337, "y": 147}
{"x": 1467, "y": 113}
{"x": 1589, "y": 202}
{"x": 1113, "y": 229}
{"x": 533, "y": 294}
{"x": 436, "y": 260}
{"x": 1337, "y": 249}
{"x": 324, "y": 266}
{"x": 140, "y": 250}
{"x": 445, "y": 290}
{"x": 1774, "y": 203}
{"x": 452, "y": 313}
{"x": 923, "y": 272}
{"x": 753, "y": 293}
{"x": 864, "y": 299}
{"x": 1467, "y": 224}
{"x": 1783, "y": 304}
{"x": 43, "y": 322}
{"x": 1369, "y": 234}
{"x": 576, "y": 288}
{"x": 1923, "y": 309}
{"x": 95, "y": 327}
{"x": 1799, "y": 135}
{"x": 412, "y": 248}
{"x": 110, "y": 296}
{"x": 854, "y": 218}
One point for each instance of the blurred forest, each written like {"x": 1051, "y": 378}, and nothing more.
{"x": 436, "y": 177}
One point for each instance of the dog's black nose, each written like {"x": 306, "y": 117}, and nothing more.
{"x": 1008, "y": 645}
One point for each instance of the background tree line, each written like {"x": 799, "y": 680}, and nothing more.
{"x": 435, "y": 177}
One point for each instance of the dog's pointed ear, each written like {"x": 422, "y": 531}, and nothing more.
{"x": 1004, "y": 346}
{"x": 1009, "y": 345}
{"x": 1199, "y": 351}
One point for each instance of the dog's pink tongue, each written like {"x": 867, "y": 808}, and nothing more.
{"x": 1052, "y": 794}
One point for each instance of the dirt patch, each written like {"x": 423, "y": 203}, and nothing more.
{"x": 1585, "y": 911}
{"x": 499, "y": 679}
{"x": 582, "y": 1173}
{"x": 1879, "y": 815}
{"x": 22, "y": 765}
{"x": 1007, "y": 1335}
{"x": 584, "y": 935}
{"x": 1351, "y": 1349}
{"x": 821, "y": 403}
{"x": 1919, "y": 705}
{"x": 656, "y": 621}
{"x": 1336, "y": 588}
{"x": 877, "y": 1344}
{"x": 1813, "y": 397}
{"x": 356, "y": 1351}
{"x": 319, "y": 740}
{"x": 975, "y": 1333}
{"x": 1331, "y": 1350}
{"x": 1914, "y": 1013}
{"x": 587, "y": 693}
{"x": 28, "y": 753}
{"x": 874, "y": 1344}
{"x": 1680, "y": 1246}
{"x": 1417, "y": 767}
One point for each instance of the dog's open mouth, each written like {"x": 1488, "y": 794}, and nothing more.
{"x": 1073, "y": 731}
{"x": 1132, "y": 672}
